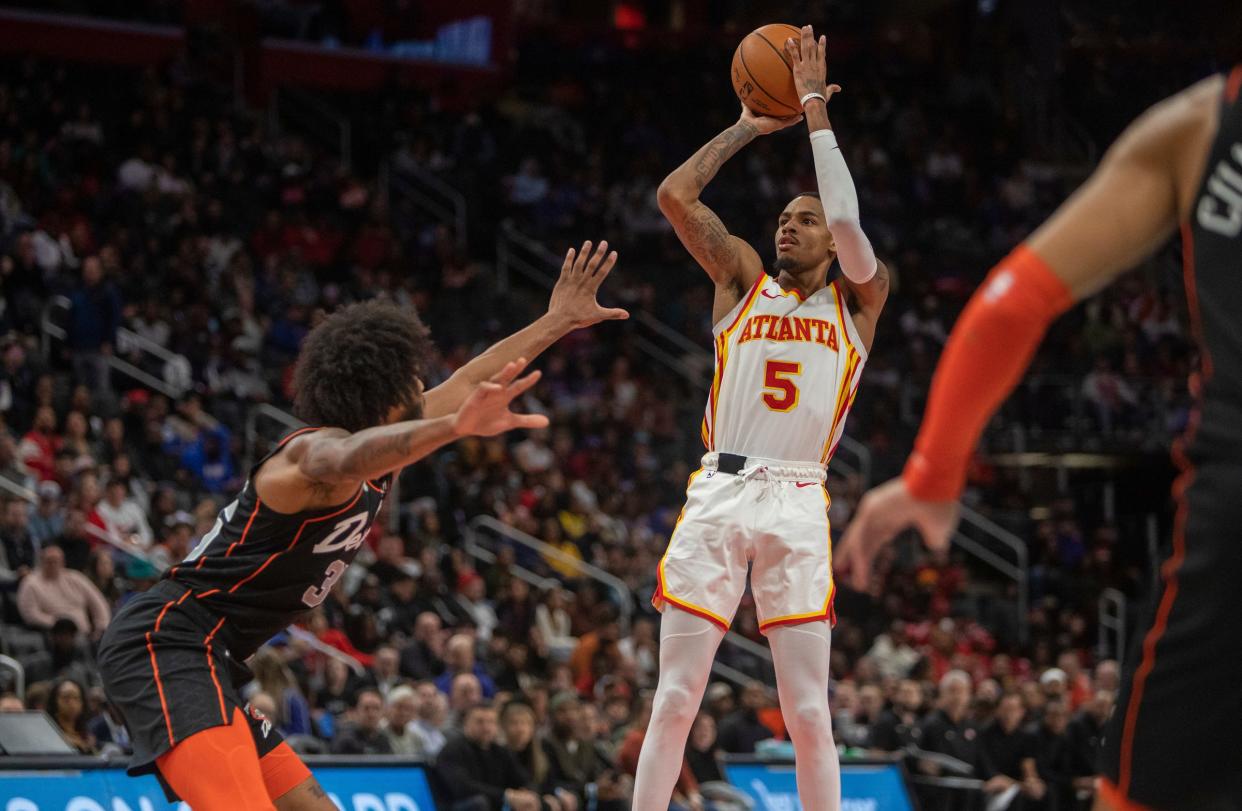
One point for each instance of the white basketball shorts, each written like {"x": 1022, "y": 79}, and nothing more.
{"x": 772, "y": 515}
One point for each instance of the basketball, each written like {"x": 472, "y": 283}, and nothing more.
{"x": 762, "y": 77}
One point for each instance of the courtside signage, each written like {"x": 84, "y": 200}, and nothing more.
{"x": 773, "y": 786}
{"x": 352, "y": 788}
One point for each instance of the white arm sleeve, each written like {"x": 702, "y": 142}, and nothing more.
{"x": 836, "y": 191}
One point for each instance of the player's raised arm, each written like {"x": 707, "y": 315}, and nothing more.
{"x": 730, "y": 261}
{"x": 867, "y": 280}
{"x": 573, "y": 305}
{"x": 1128, "y": 207}
{"x": 323, "y": 467}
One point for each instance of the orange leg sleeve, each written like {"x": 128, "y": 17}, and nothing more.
{"x": 283, "y": 770}
{"x": 218, "y": 769}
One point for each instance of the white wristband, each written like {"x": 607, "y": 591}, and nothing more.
{"x": 812, "y": 95}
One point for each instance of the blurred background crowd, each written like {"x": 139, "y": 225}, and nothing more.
{"x": 164, "y": 248}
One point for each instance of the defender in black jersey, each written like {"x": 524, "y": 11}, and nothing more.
{"x": 172, "y": 659}
{"x": 1172, "y": 744}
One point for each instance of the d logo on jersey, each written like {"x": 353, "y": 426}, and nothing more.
{"x": 345, "y": 536}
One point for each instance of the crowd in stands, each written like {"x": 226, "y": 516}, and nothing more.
{"x": 148, "y": 202}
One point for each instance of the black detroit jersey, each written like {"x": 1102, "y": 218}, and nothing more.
{"x": 261, "y": 570}
{"x": 1213, "y": 261}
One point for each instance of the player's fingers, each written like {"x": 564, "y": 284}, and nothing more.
{"x": 807, "y": 37}
{"x": 508, "y": 374}
{"x": 518, "y": 386}
{"x": 615, "y": 314}
{"x": 791, "y": 48}
{"x": 569, "y": 261}
{"x": 584, "y": 255}
{"x": 601, "y": 251}
{"x": 604, "y": 269}
{"x": 823, "y": 46}
{"x": 529, "y": 421}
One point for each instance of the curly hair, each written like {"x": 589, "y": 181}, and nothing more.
{"x": 359, "y": 364}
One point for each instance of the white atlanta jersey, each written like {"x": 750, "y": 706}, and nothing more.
{"x": 787, "y": 370}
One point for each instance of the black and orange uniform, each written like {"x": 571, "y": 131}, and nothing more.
{"x": 1173, "y": 742}
{"x": 171, "y": 659}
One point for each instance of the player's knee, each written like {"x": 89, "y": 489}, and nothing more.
{"x": 675, "y": 702}
{"x": 809, "y": 721}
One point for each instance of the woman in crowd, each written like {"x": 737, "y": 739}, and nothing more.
{"x": 66, "y": 705}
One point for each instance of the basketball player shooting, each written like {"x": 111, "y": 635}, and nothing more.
{"x": 1173, "y": 742}
{"x": 172, "y": 658}
{"x": 789, "y": 354}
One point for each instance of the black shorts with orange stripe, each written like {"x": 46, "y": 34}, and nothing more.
{"x": 1173, "y": 741}
{"x": 168, "y": 670}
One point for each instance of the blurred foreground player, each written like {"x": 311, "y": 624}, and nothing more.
{"x": 171, "y": 659}
{"x": 789, "y": 355}
{"x": 1173, "y": 742}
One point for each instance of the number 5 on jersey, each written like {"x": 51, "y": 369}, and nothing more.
{"x": 779, "y": 391}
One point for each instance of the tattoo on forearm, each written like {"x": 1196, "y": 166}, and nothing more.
{"x": 706, "y": 237}
{"x": 316, "y": 790}
{"x": 711, "y": 157}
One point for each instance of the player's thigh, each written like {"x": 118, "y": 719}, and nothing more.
{"x": 703, "y": 571}
{"x": 792, "y": 573}
{"x": 1172, "y": 743}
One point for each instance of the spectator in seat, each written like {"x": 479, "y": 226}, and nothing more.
{"x": 421, "y": 658}
{"x": 109, "y": 730}
{"x": 949, "y": 731}
{"x": 742, "y": 730}
{"x": 48, "y": 519}
{"x": 433, "y": 712}
{"x": 1053, "y": 756}
{"x": 464, "y": 694}
{"x": 75, "y": 540}
{"x": 175, "y": 545}
{"x": 702, "y": 751}
{"x": 1007, "y": 754}
{"x": 459, "y": 659}
{"x": 573, "y": 757}
{"x": 897, "y": 727}
{"x": 19, "y": 546}
{"x": 400, "y": 709}
{"x": 477, "y": 774}
{"x": 1085, "y": 732}
{"x": 384, "y": 670}
{"x": 66, "y": 704}
{"x": 66, "y": 657}
{"x": 364, "y": 736}
{"x": 123, "y": 517}
{"x": 273, "y": 676}
{"x": 518, "y": 722}
{"x": 11, "y": 703}
{"x": 40, "y": 445}
{"x": 472, "y": 602}
{"x": 51, "y": 591}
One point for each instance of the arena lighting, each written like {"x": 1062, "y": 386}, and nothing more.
{"x": 1077, "y": 461}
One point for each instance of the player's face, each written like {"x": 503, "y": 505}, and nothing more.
{"x": 803, "y": 240}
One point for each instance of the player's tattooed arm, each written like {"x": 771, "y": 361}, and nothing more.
{"x": 318, "y": 468}
{"x": 574, "y": 304}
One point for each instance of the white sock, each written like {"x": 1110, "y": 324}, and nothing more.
{"x": 800, "y": 654}
{"x": 687, "y": 646}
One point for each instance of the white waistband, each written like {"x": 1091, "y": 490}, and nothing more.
{"x": 777, "y": 469}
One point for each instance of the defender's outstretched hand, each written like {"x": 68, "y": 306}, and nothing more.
{"x": 883, "y": 512}
{"x": 808, "y": 58}
{"x": 486, "y": 411}
{"x": 574, "y": 296}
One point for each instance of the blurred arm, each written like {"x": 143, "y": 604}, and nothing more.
{"x": 1126, "y": 209}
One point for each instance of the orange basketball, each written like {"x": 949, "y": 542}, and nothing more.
{"x": 762, "y": 76}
